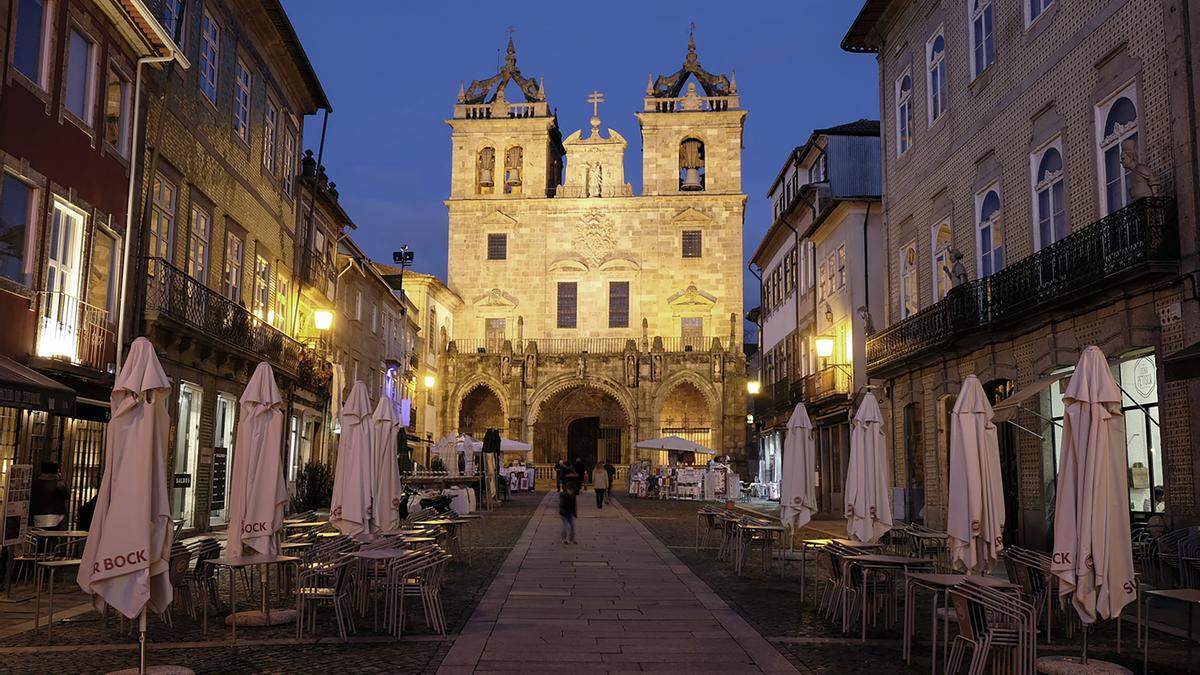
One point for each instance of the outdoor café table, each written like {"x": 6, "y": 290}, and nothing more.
{"x": 767, "y": 542}
{"x": 371, "y": 559}
{"x": 50, "y": 567}
{"x": 45, "y": 536}
{"x": 453, "y": 528}
{"x": 882, "y": 563}
{"x": 818, "y": 544}
{"x": 264, "y": 562}
{"x": 290, "y": 527}
{"x": 1189, "y": 596}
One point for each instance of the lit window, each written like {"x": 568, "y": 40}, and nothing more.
{"x": 282, "y": 301}
{"x": 289, "y": 162}
{"x": 16, "y": 229}
{"x": 903, "y": 113}
{"x": 1049, "y": 195}
{"x": 983, "y": 45}
{"x": 497, "y": 246}
{"x": 618, "y": 304}
{"x": 936, "y": 77}
{"x": 262, "y": 287}
{"x": 235, "y": 254}
{"x": 909, "y": 291}
{"x": 692, "y": 243}
{"x": 29, "y": 52}
{"x": 568, "y": 297}
{"x": 270, "y": 132}
{"x": 162, "y": 219}
{"x": 943, "y": 281}
{"x": 987, "y": 224}
{"x": 198, "y": 244}
{"x": 241, "y": 101}
{"x": 841, "y": 266}
{"x": 1117, "y": 134}
{"x": 80, "y": 88}
{"x": 210, "y": 50}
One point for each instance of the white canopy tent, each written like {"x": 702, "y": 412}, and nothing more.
{"x": 673, "y": 444}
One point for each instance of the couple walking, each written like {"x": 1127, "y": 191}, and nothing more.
{"x": 570, "y": 480}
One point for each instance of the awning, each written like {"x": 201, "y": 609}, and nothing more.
{"x": 1006, "y": 410}
{"x": 25, "y": 388}
{"x": 1183, "y": 364}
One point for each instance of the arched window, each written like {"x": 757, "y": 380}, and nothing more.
{"x": 485, "y": 170}
{"x": 514, "y": 159}
{"x": 943, "y": 280}
{"x": 903, "y": 113}
{"x": 1049, "y": 193}
{"x": 909, "y": 295}
{"x": 983, "y": 43}
{"x": 1117, "y": 134}
{"x": 691, "y": 165}
{"x": 987, "y": 223}
{"x": 936, "y": 77}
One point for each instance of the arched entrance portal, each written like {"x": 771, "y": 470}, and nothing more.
{"x": 685, "y": 413}
{"x": 480, "y": 411}
{"x": 581, "y": 422}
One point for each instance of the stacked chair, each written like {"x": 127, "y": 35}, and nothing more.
{"x": 991, "y": 620}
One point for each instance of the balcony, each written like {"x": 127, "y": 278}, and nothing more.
{"x": 170, "y": 292}
{"x": 828, "y": 383}
{"x": 1075, "y": 273}
{"x": 319, "y": 273}
{"x": 593, "y": 345}
{"x": 72, "y": 331}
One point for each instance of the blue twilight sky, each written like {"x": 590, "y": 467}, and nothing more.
{"x": 392, "y": 71}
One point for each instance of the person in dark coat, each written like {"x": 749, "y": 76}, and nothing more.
{"x": 560, "y": 472}
{"x": 48, "y": 499}
{"x": 581, "y": 470}
{"x": 612, "y": 474}
{"x": 567, "y": 512}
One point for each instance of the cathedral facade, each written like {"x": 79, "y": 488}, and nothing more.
{"x": 594, "y": 317}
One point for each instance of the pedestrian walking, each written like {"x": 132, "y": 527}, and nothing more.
{"x": 600, "y": 484}
{"x": 581, "y": 469}
{"x": 560, "y": 472}
{"x": 566, "y": 511}
{"x": 612, "y": 474}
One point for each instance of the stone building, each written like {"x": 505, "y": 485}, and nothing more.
{"x": 66, "y": 143}
{"x": 817, "y": 297}
{"x": 592, "y": 317}
{"x": 1039, "y": 161}
{"x": 223, "y": 239}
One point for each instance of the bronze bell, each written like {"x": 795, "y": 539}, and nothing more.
{"x": 691, "y": 180}
{"x": 485, "y": 179}
{"x": 512, "y": 177}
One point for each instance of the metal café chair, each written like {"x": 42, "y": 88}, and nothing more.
{"x": 333, "y": 585}
{"x": 988, "y": 619}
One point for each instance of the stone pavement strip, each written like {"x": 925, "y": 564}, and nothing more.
{"x": 618, "y": 601}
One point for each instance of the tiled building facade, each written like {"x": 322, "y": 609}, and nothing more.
{"x": 1004, "y": 129}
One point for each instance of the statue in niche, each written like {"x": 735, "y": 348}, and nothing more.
{"x": 581, "y": 367}
{"x": 716, "y": 368}
{"x": 868, "y": 322}
{"x": 656, "y": 366}
{"x": 1142, "y": 181}
{"x": 595, "y": 179}
{"x": 531, "y": 370}
{"x": 631, "y": 370}
{"x": 486, "y": 167}
{"x": 505, "y": 367}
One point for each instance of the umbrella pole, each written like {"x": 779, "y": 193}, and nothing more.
{"x": 142, "y": 642}
{"x": 1084, "y": 660}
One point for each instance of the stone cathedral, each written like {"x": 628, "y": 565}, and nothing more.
{"x": 594, "y": 316}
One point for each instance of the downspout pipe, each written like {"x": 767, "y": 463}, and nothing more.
{"x": 758, "y": 275}
{"x": 133, "y": 174}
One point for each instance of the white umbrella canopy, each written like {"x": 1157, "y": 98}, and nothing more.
{"x": 127, "y": 555}
{"x": 673, "y": 443}
{"x": 868, "y": 504}
{"x": 798, "y": 498}
{"x": 1093, "y": 552}
{"x": 386, "y": 496}
{"x": 509, "y": 445}
{"x": 350, "y": 510}
{"x": 258, "y": 494}
{"x": 975, "y": 521}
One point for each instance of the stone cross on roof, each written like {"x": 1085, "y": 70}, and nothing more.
{"x": 595, "y": 98}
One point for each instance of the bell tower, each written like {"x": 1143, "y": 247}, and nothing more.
{"x": 504, "y": 149}
{"x": 692, "y": 125}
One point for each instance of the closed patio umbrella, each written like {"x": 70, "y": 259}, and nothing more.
{"x": 468, "y": 446}
{"x": 126, "y": 558}
{"x": 386, "y": 495}
{"x": 258, "y": 495}
{"x": 975, "y": 521}
{"x": 868, "y": 505}
{"x": 350, "y": 510}
{"x": 798, "y": 498}
{"x": 1093, "y": 552}
{"x": 447, "y": 452}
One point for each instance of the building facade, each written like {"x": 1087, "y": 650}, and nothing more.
{"x": 223, "y": 239}
{"x": 817, "y": 297}
{"x": 67, "y": 140}
{"x": 592, "y": 317}
{"x": 1039, "y": 182}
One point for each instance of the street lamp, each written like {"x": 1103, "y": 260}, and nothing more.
{"x": 753, "y": 387}
{"x": 430, "y": 381}
{"x": 824, "y": 346}
{"x": 322, "y": 319}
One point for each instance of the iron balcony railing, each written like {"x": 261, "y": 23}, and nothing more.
{"x": 1141, "y": 238}
{"x": 318, "y": 272}
{"x": 173, "y": 293}
{"x": 828, "y": 382}
{"x": 592, "y": 345}
{"x": 72, "y": 330}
